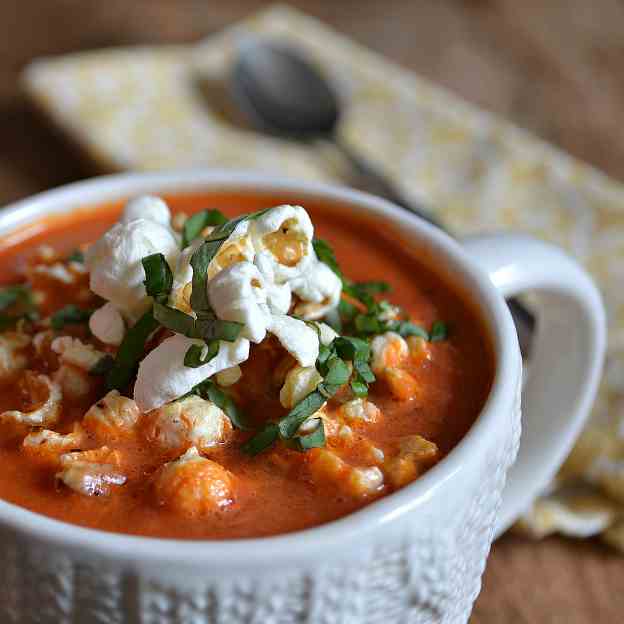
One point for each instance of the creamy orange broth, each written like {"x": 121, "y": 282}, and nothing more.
{"x": 269, "y": 498}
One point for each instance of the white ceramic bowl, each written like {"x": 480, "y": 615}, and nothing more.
{"x": 415, "y": 556}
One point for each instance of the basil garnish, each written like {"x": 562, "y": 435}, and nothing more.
{"x": 18, "y": 297}
{"x": 69, "y": 315}
{"x": 439, "y": 331}
{"x": 206, "y": 329}
{"x": 76, "y": 256}
{"x": 263, "y": 440}
{"x": 103, "y": 366}
{"x": 131, "y": 351}
{"x": 198, "y": 355}
{"x": 158, "y": 277}
{"x": 196, "y": 223}
{"x": 307, "y": 441}
{"x": 210, "y": 391}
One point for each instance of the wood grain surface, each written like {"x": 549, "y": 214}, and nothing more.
{"x": 553, "y": 66}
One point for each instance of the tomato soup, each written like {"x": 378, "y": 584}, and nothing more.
{"x": 386, "y": 403}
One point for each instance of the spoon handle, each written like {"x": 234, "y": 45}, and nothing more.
{"x": 379, "y": 184}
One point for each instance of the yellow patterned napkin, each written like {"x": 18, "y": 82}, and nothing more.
{"x": 162, "y": 107}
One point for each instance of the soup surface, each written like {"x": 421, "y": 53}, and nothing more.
{"x": 377, "y": 436}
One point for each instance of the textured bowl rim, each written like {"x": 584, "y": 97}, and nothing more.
{"x": 317, "y": 543}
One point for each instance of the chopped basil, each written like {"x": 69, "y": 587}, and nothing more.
{"x": 314, "y": 439}
{"x": 326, "y": 255}
{"x": 18, "y": 297}
{"x": 439, "y": 331}
{"x": 103, "y": 366}
{"x": 12, "y": 294}
{"x": 196, "y": 223}
{"x": 200, "y": 303}
{"x": 363, "y": 369}
{"x": 350, "y": 348}
{"x": 263, "y": 440}
{"x": 209, "y": 390}
{"x": 76, "y": 256}
{"x": 371, "y": 288}
{"x": 332, "y": 318}
{"x": 175, "y": 320}
{"x": 406, "y": 328}
{"x": 69, "y": 315}
{"x": 359, "y": 388}
{"x": 338, "y": 372}
{"x": 158, "y": 277}
{"x": 310, "y": 404}
{"x": 131, "y": 351}
{"x": 201, "y": 328}
{"x": 198, "y": 355}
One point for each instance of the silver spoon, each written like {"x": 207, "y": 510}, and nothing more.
{"x": 282, "y": 93}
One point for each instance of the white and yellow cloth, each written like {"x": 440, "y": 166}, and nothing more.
{"x": 163, "y": 107}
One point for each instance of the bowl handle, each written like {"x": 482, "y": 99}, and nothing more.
{"x": 566, "y": 360}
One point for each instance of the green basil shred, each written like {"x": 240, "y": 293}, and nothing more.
{"x": 69, "y": 315}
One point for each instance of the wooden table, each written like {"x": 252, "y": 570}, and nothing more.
{"x": 553, "y": 67}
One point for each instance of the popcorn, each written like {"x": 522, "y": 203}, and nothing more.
{"x": 237, "y": 294}
{"x": 229, "y": 376}
{"x": 327, "y": 334}
{"x": 114, "y": 262}
{"x": 147, "y": 207}
{"x": 192, "y": 421}
{"x": 75, "y": 352}
{"x": 91, "y": 473}
{"x": 416, "y": 454}
{"x": 112, "y": 416}
{"x": 48, "y": 411}
{"x": 282, "y": 239}
{"x": 300, "y": 340}
{"x": 75, "y": 383}
{"x": 319, "y": 289}
{"x": 237, "y": 248}
{"x": 389, "y": 350}
{"x": 194, "y": 486}
{"x": 299, "y": 382}
{"x": 361, "y": 410}
{"x": 12, "y": 353}
{"x": 576, "y": 515}
{"x": 56, "y": 271}
{"x": 107, "y": 325}
{"x": 47, "y": 445}
{"x": 163, "y": 377}
{"x": 279, "y": 296}
{"x": 359, "y": 482}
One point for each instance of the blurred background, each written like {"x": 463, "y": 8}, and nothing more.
{"x": 554, "y": 68}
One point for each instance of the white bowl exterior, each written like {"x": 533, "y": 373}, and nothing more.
{"x": 416, "y": 556}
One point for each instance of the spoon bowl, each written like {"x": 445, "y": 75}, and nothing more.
{"x": 283, "y": 93}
